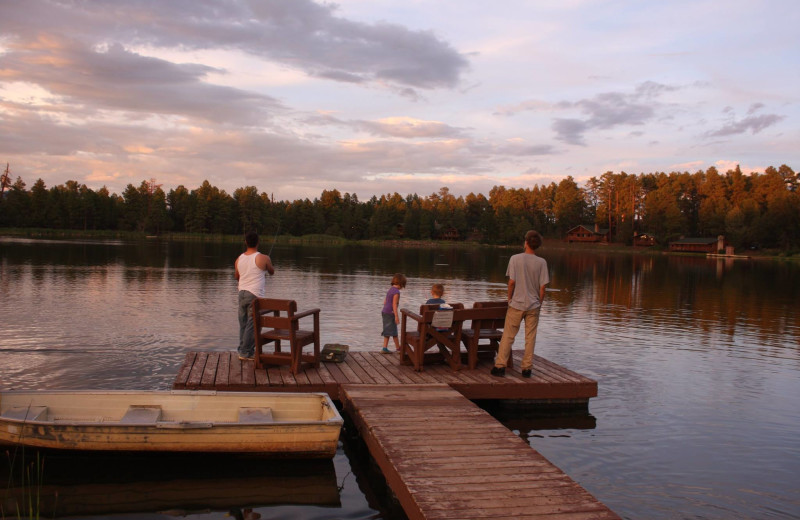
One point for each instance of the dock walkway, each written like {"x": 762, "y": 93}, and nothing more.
{"x": 446, "y": 459}
{"x": 442, "y": 455}
{"x": 224, "y": 371}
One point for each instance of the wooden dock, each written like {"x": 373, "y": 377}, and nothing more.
{"x": 446, "y": 459}
{"x": 224, "y": 371}
{"x": 442, "y": 455}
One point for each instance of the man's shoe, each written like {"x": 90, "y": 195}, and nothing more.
{"x": 245, "y": 358}
{"x": 498, "y": 371}
{"x": 526, "y": 372}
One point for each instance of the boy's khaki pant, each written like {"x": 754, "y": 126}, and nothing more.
{"x": 513, "y": 319}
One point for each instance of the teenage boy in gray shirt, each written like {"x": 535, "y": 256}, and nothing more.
{"x": 527, "y": 278}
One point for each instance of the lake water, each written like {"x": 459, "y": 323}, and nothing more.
{"x": 697, "y": 360}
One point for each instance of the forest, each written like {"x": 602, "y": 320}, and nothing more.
{"x": 756, "y": 210}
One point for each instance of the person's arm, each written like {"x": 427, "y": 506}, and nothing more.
{"x": 541, "y": 294}
{"x": 395, "y": 301}
{"x": 510, "y": 289}
{"x": 264, "y": 262}
{"x": 236, "y": 269}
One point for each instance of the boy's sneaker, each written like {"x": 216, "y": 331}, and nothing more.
{"x": 498, "y": 371}
{"x": 385, "y": 350}
{"x": 526, "y": 372}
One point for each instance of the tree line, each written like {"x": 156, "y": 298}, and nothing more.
{"x": 760, "y": 209}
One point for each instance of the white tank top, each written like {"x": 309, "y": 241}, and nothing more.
{"x": 251, "y": 278}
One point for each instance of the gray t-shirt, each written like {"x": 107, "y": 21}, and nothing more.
{"x": 529, "y": 273}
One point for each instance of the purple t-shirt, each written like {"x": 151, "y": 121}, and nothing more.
{"x": 388, "y": 308}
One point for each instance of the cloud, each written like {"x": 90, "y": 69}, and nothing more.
{"x": 399, "y": 127}
{"x": 754, "y": 124}
{"x": 603, "y": 111}
{"x": 570, "y": 130}
{"x": 608, "y": 110}
{"x": 408, "y": 127}
{"x": 611, "y": 109}
{"x": 300, "y": 34}
{"x": 113, "y": 78}
{"x": 725, "y": 166}
{"x": 687, "y": 166}
{"x": 525, "y": 106}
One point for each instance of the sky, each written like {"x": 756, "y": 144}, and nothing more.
{"x": 372, "y": 97}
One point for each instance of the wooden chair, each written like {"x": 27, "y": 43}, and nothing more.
{"x": 278, "y": 320}
{"x": 423, "y": 335}
{"x": 486, "y": 331}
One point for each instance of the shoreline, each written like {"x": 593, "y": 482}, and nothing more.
{"x": 331, "y": 240}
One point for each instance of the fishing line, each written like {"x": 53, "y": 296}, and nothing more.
{"x": 274, "y": 239}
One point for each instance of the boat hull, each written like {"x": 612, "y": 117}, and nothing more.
{"x": 275, "y": 424}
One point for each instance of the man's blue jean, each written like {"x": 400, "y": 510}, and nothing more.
{"x": 247, "y": 340}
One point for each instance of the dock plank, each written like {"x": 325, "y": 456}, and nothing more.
{"x": 210, "y": 370}
{"x": 183, "y": 373}
{"x": 374, "y": 371}
{"x": 223, "y": 371}
{"x": 196, "y": 373}
{"x": 287, "y": 376}
{"x": 350, "y": 374}
{"x": 235, "y": 374}
{"x": 274, "y": 376}
{"x": 261, "y": 377}
{"x": 355, "y": 366}
{"x": 325, "y": 374}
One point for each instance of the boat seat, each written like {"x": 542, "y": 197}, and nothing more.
{"x": 26, "y": 413}
{"x": 255, "y": 415}
{"x": 141, "y": 414}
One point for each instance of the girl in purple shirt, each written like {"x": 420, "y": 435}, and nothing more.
{"x": 390, "y": 314}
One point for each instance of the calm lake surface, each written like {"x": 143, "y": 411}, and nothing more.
{"x": 697, "y": 360}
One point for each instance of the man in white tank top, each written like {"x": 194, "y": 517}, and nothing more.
{"x": 249, "y": 268}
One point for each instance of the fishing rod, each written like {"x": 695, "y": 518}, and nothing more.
{"x": 274, "y": 239}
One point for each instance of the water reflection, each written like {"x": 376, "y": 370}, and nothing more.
{"x": 527, "y": 420}
{"x": 80, "y": 484}
{"x": 649, "y": 296}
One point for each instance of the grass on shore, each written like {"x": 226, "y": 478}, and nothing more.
{"x": 393, "y": 242}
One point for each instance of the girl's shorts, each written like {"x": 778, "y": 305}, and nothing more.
{"x": 389, "y": 325}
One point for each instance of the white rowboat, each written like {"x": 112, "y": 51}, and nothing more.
{"x": 276, "y": 424}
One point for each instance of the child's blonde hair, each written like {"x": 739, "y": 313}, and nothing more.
{"x": 399, "y": 279}
{"x": 437, "y": 290}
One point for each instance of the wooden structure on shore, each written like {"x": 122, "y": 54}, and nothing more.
{"x": 643, "y": 240}
{"x": 583, "y": 233}
{"x": 698, "y": 245}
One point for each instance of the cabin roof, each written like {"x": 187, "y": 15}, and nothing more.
{"x": 695, "y": 240}
{"x": 590, "y": 229}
